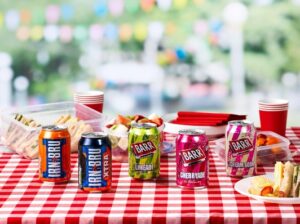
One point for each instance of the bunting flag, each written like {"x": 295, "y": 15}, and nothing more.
{"x": 180, "y": 4}
{"x": 80, "y": 33}
{"x": 25, "y": 16}
{"x": 100, "y": 8}
{"x": 96, "y": 32}
{"x": 52, "y": 13}
{"x": 132, "y": 6}
{"x": 65, "y": 34}
{"x": 38, "y": 17}
{"x": 125, "y": 32}
{"x": 23, "y": 33}
{"x": 67, "y": 12}
{"x": 111, "y": 32}
{"x": 140, "y": 31}
{"x": 164, "y": 5}
{"x": 116, "y": 7}
{"x": 1, "y": 20}
{"x": 12, "y": 19}
{"x": 147, "y": 5}
{"x": 36, "y": 33}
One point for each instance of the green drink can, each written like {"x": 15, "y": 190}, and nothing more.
{"x": 144, "y": 151}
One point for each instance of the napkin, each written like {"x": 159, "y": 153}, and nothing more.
{"x": 205, "y": 118}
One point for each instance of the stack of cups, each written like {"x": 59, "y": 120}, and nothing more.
{"x": 92, "y": 99}
{"x": 273, "y": 115}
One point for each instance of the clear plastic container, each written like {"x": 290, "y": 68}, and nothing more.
{"x": 266, "y": 155}
{"x": 23, "y": 139}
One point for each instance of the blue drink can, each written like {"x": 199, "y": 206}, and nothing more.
{"x": 94, "y": 162}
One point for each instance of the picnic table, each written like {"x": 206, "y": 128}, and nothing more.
{"x": 24, "y": 199}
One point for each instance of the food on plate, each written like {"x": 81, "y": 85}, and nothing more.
{"x": 118, "y": 130}
{"x": 283, "y": 176}
{"x": 296, "y": 182}
{"x": 261, "y": 186}
{"x": 27, "y": 144}
{"x": 286, "y": 182}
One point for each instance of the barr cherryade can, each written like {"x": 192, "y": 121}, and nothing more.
{"x": 144, "y": 151}
{"x": 94, "y": 162}
{"x": 240, "y": 149}
{"x": 192, "y": 159}
{"x": 54, "y": 154}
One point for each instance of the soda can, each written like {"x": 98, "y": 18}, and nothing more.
{"x": 144, "y": 151}
{"x": 192, "y": 159}
{"x": 94, "y": 162}
{"x": 240, "y": 149}
{"x": 54, "y": 154}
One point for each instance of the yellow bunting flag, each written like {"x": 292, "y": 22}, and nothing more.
{"x": 36, "y": 33}
{"x": 180, "y": 4}
{"x": 140, "y": 31}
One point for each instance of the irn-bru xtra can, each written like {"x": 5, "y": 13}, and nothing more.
{"x": 192, "y": 163}
{"x": 54, "y": 154}
{"x": 94, "y": 162}
{"x": 144, "y": 151}
{"x": 240, "y": 149}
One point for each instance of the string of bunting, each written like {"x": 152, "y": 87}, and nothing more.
{"x": 114, "y": 32}
{"x": 52, "y": 14}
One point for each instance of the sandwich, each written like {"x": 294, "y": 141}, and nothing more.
{"x": 283, "y": 179}
{"x": 296, "y": 182}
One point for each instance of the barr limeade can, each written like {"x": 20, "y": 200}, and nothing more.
{"x": 192, "y": 159}
{"x": 144, "y": 151}
{"x": 240, "y": 149}
{"x": 54, "y": 154}
{"x": 94, "y": 162}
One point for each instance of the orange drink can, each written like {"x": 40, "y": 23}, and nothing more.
{"x": 54, "y": 154}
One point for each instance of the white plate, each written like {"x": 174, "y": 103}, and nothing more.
{"x": 211, "y": 131}
{"x": 243, "y": 186}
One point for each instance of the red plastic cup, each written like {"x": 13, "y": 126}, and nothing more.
{"x": 97, "y": 106}
{"x": 91, "y": 99}
{"x": 273, "y": 115}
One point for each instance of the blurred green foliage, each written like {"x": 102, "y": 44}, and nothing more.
{"x": 271, "y": 40}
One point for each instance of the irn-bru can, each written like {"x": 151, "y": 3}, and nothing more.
{"x": 192, "y": 163}
{"x": 94, "y": 162}
{"x": 144, "y": 151}
{"x": 240, "y": 149}
{"x": 54, "y": 154}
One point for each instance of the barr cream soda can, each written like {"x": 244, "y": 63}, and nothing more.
{"x": 54, "y": 154}
{"x": 192, "y": 163}
{"x": 240, "y": 149}
{"x": 144, "y": 151}
{"x": 94, "y": 162}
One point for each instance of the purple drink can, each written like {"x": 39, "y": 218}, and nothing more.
{"x": 240, "y": 149}
{"x": 192, "y": 159}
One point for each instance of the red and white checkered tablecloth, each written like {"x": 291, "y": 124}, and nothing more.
{"x": 23, "y": 199}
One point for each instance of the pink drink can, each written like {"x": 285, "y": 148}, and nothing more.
{"x": 192, "y": 159}
{"x": 240, "y": 150}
